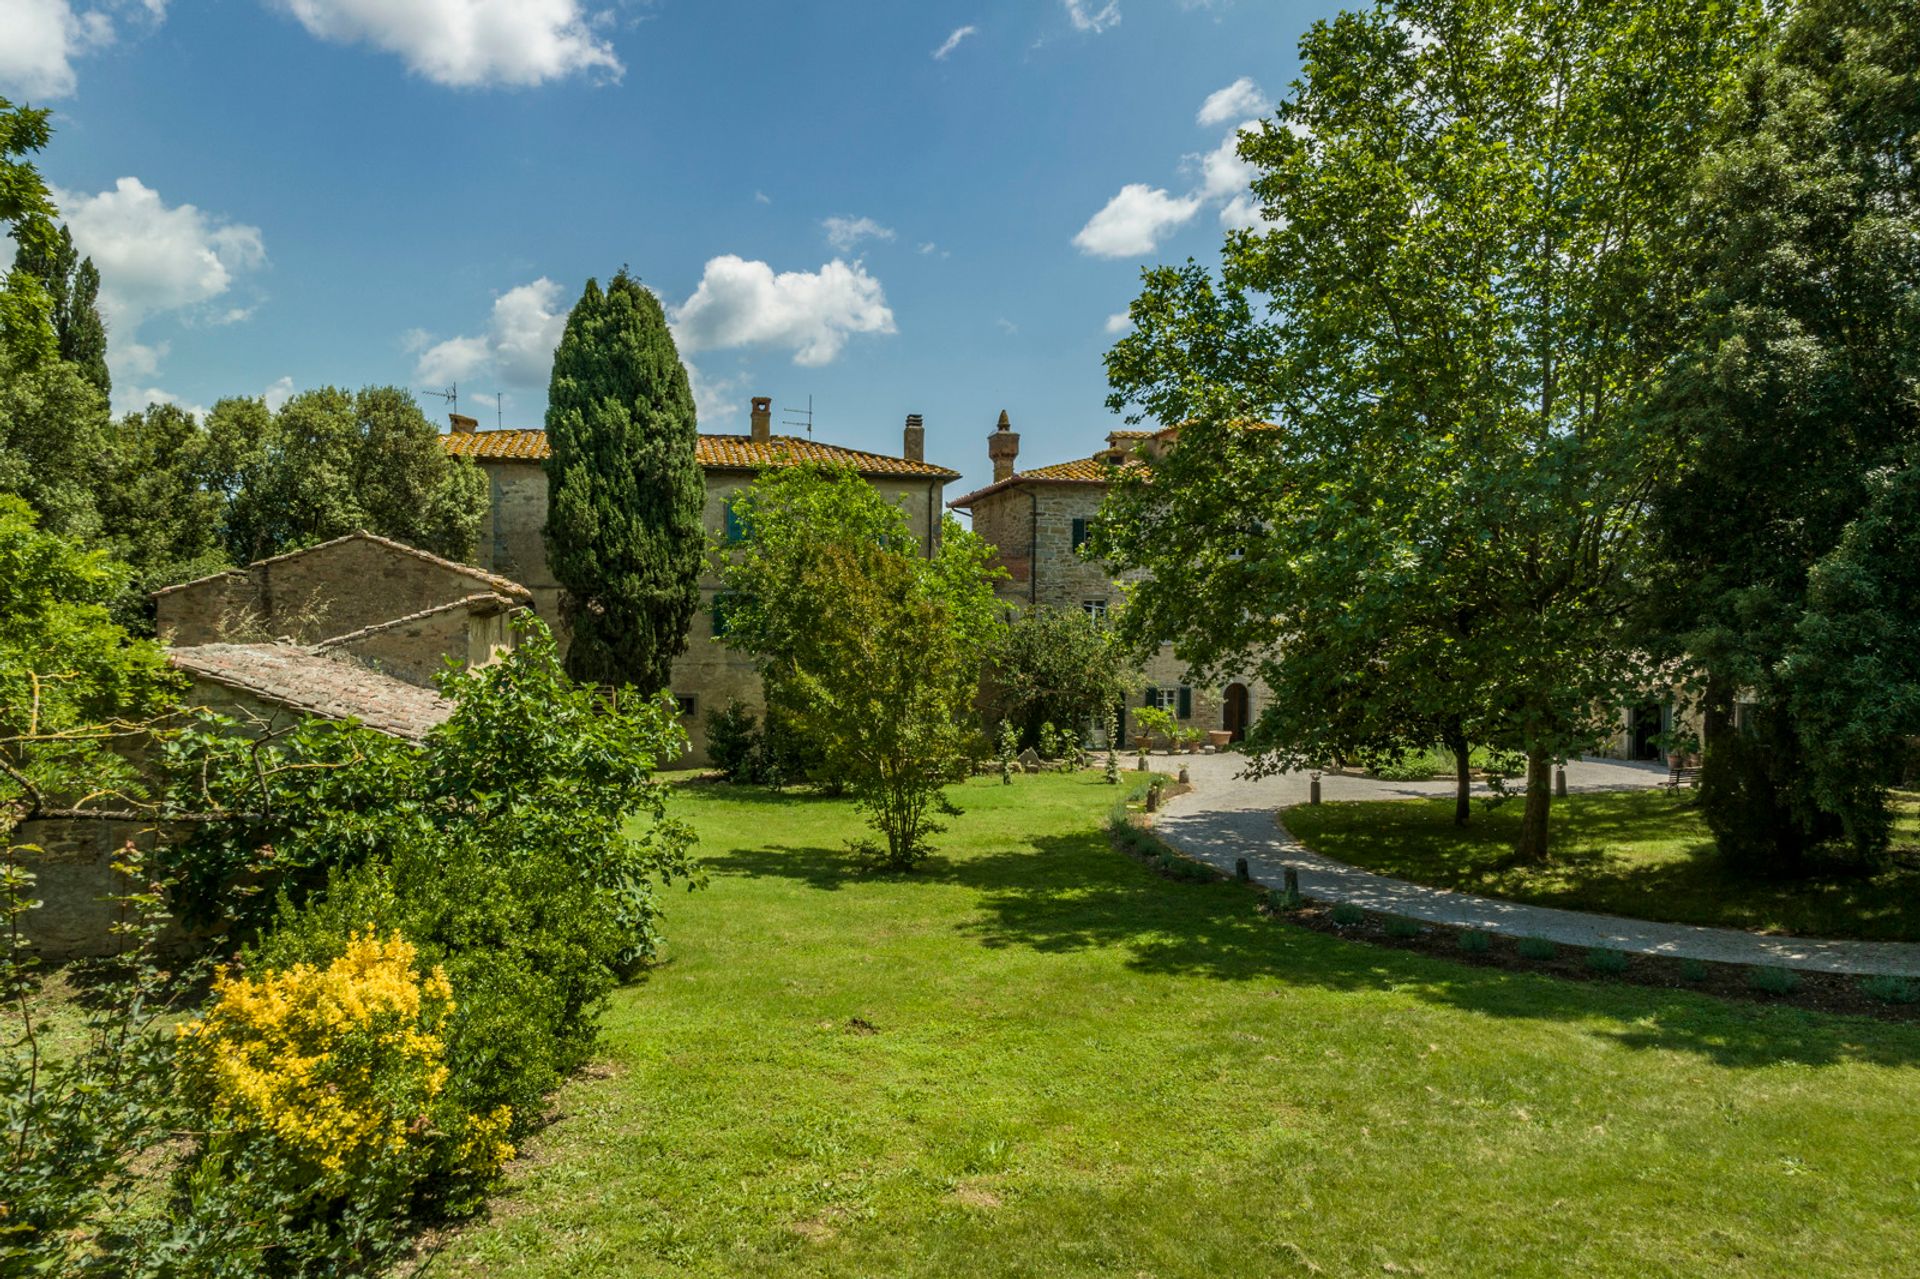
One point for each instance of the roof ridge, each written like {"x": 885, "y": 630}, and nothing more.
{"x": 321, "y": 646}
{"x": 492, "y": 579}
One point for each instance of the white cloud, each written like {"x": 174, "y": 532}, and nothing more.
{"x": 157, "y": 259}
{"x": 278, "y": 392}
{"x": 761, "y": 197}
{"x": 741, "y": 303}
{"x": 132, "y": 399}
{"x": 1086, "y": 18}
{"x": 952, "y": 42}
{"x": 715, "y": 400}
{"x": 1007, "y": 326}
{"x": 42, "y": 39}
{"x": 1133, "y": 221}
{"x": 517, "y": 347}
{"x": 1222, "y": 172}
{"x": 1119, "y": 322}
{"x": 468, "y": 43}
{"x": 844, "y": 233}
{"x": 1241, "y": 98}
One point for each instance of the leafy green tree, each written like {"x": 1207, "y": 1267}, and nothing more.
{"x": 71, "y": 681}
{"x": 1792, "y": 401}
{"x": 624, "y": 489}
{"x": 870, "y": 644}
{"x": 1057, "y": 665}
{"x": 332, "y": 461}
{"x": 158, "y": 511}
{"x": 1452, "y": 310}
{"x": 55, "y": 437}
{"x": 26, "y": 310}
{"x": 72, "y": 285}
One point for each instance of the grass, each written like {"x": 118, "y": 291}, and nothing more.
{"x": 1644, "y": 854}
{"x": 1036, "y": 1056}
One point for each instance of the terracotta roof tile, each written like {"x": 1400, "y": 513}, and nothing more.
{"x": 1082, "y": 470}
{"x": 303, "y": 680}
{"x": 493, "y": 581}
{"x": 716, "y": 453}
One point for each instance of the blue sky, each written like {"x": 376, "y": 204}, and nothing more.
{"x": 290, "y": 193}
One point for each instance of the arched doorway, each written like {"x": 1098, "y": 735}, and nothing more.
{"x": 1233, "y": 711}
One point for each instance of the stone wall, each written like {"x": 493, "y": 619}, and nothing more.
{"x": 327, "y": 590}
{"x": 416, "y": 649}
{"x": 75, "y": 882}
{"x": 709, "y": 673}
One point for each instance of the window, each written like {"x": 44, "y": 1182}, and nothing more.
{"x": 1096, "y": 609}
{"x": 736, "y": 530}
{"x": 689, "y": 704}
{"x": 1178, "y": 700}
{"x": 723, "y": 605}
{"x": 1083, "y": 527}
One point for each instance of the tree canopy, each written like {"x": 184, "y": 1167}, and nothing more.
{"x": 1412, "y": 442}
{"x": 624, "y": 489}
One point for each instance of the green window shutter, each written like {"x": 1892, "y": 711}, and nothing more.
{"x": 736, "y": 531}
{"x": 1186, "y": 702}
{"x": 1151, "y": 697}
{"x": 1079, "y": 532}
{"x": 720, "y": 603}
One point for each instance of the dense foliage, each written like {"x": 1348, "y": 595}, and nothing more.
{"x": 869, "y": 642}
{"x": 1793, "y": 402}
{"x": 26, "y": 210}
{"x": 1060, "y": 666}
{"x": 624, "y": 489}
{"x": 1450, "y": 314}
{"x": 72, "y": 285}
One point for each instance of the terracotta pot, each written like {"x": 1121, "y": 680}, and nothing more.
{"x": 1218, "y": 737}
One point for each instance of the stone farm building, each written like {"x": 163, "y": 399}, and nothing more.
{"x": 1038, "y": 520}
{"x": 708, "y": 675}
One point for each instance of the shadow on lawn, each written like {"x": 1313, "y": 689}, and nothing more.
{"x": 1062, "y": 894}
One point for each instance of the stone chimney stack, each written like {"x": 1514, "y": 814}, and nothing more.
{"x": 462, "y": 424}
{"x": 762, "y": 419}
{"x": 1003, "y": 446}
{"x": 916, "y": 440}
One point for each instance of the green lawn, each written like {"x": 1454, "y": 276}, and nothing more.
{"x": 1646, "y": 854}
{"x": 1077, "y": 1067}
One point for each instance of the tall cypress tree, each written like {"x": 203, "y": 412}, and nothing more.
{"x": 624, "y": 488}
{"x": 73, "y": 285}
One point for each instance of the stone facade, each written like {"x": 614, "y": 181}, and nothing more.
{"x": 1037, "y": 518}
{"x": 76, "y": 883}
{"x": 709, "y": 674}
{"x": 335, "y": 588}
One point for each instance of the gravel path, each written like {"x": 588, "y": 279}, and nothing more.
{"x": 1226, "y": 817}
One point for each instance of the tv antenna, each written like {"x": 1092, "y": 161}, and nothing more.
{"x": 451, "y": 395}
{"x": 801, "y": 417}
{"x": 498, "y": 413}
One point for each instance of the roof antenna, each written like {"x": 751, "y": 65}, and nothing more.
{"x": 451, "y": 395}
{"x": 498, "y": 414}
{"x": 801, "y": 417}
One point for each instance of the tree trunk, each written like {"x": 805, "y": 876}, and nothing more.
{"x": 1533, "y": 824}
{"x": 1456, "y": 741}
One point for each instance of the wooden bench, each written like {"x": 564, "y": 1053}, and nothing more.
{"x": 1681, "y": 775}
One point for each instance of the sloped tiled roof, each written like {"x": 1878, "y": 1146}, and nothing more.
{"x": 716, "y": 453}
{"x": 493, "y": 581}
{"x": 303, "y": 680}
{"x": 1082, "y": 470}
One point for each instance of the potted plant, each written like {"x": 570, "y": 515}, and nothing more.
{"x": 1219, "y": 738}
{"x": 1191, "y": 739}
{"x": 1155, "y": 722}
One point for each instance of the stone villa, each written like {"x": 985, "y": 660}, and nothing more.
{"x": 709, "y": 674}
{"x": 1039, "y": 519}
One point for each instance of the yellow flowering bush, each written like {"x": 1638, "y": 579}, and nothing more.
{"x": 340, "y": 1069}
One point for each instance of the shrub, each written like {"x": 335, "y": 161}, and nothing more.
{"x": 1693, "y": 970}
{"x": 1280, "y": 901}
{"x": 1536, "y": 948}
{"x": 1773, "y": 981}
{"x": 316, "y": 1086}
{"x": 1609, "y": 963}
{"x": 1347, "y": 915}
{"x": 1474, "y": 942}
{"x": 736, "y": 745}
{"x": 1891, "y": 990}
{"x": 1403, "y": 928}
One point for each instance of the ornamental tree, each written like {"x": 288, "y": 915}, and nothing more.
{"x": 870, "y": 643}
{"x": 1452, "y": 311}
{"x": 1057, "y": 665}
{"x": 624, "y": 488}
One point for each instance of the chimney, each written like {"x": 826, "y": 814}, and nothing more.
{"x": 1003, "y": 446}
{"x": 916, "y": 439}
{"x": 762, "y": 419}
{"x": 462, "y": 424}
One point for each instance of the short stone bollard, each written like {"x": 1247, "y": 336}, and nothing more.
{"x": 1143, "y": 765}
{"x": 1153, "y": 798}
{"x": 1183, "y": 775}
{"x": 1240, "y": 871}
{"x": 1313, "y": 791}
{"x": 1560, "y": 781}
{"x": 1290, "y": 886}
